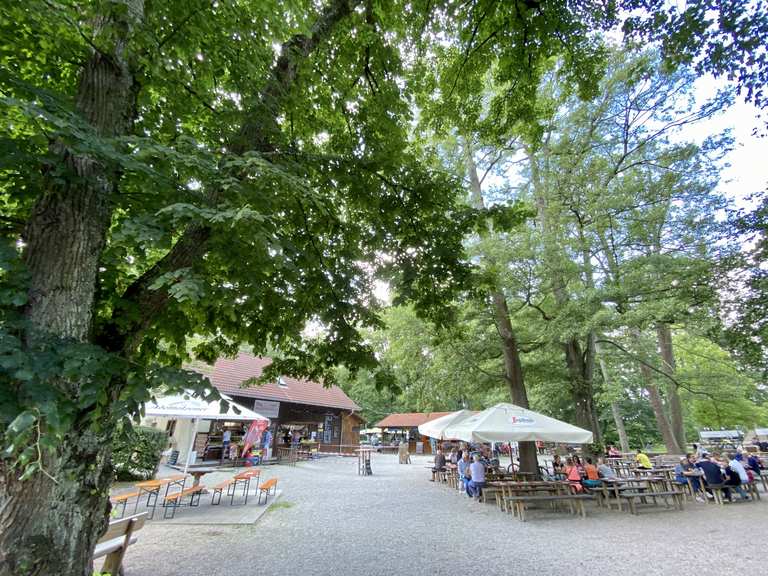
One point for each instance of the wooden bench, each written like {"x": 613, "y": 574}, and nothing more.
{"x": 630, "y": 497}
{"x": 122, "y": 501}
{"x": 218, "y": 490}
{"x": 519, "y": 502}
{"x": 119, "y": 535}
{"x": 173, "y": 501}
{"x": 265, "y": 489}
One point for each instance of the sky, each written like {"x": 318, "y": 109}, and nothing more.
{"x": 748, "y": 170}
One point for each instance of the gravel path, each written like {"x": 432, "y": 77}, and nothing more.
{"x": 330, "y": 521}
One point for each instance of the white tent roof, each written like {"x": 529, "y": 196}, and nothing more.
{"x": 436, "y": 428}
{"x": 187, "y": 406}
{"x": 510, "y": 423}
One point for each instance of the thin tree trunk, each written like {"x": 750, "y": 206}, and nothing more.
{"x": 654, "y": 397}
{"x": 513, "y": 369}
{"x": 618, "y": 420}
{"x": 669, "y": 366}
{"x": 50, "y": 524}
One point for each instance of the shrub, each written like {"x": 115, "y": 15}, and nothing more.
{"x": 136, "y": 452}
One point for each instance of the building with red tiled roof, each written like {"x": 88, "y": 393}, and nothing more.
{"x": 297, "y": 408}
{"x": 229, "y": 376}
{"x": 409, "y": 419}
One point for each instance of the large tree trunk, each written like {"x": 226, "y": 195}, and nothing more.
{"x": 654, "y": 397}
{"x": 513, "y": 372}
{"x": 50, "y": 524}
{"x": 669, "y": 366}
{"x": 513, "y": 368}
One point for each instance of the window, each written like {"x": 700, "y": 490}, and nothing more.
{"x": 281, "y": 382}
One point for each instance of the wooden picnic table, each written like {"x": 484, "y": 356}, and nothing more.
{"x": 645, "y": 484}
{"x": 152, "y": 488}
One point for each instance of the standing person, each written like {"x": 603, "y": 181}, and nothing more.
{"x": 226, "y": 437}
{"x": 477, "y": 478}
{"x": 439, "y": 464}
{"x": 643, "y": 461}
{"x": 464, "y": 464}
{"x": 267, "y": 443}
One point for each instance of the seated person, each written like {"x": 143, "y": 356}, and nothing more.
{"x": 736, "y": 475}
{"x": 477, "y": 478}
{"x": 684, "y": 471}
{"x": 439, "y": 464}
{"x": 713, "y": 475}
{"x": 593, "y": 478}
{"x": 604, "y": 470}
{"x": 614, "y": 452}
{"x": 643, "y": 462}
{"x": 573, "y": 475}
{"x": 454, "y": 456}
{"x": 558, "y": 468}
{"x": 755, "y": 464}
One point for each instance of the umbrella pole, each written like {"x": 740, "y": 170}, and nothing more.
{"x": 191, "y": 444}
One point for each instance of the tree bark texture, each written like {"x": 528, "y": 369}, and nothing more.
{"x": 51, "y": 526}
{"x": 513, "y": 368}
{"x": 618, "y": 420}
{"x": 50, "y": 523}
{"x": 654, "y": 397}
{"x": 669, "y": 366}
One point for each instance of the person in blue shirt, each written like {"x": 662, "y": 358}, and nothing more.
{"x": 464, "y": 463}
{"x": 684, "y": 471}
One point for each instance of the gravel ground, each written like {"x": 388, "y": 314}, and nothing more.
{"x": 330, "y": 521}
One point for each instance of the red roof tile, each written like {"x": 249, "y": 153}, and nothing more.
{"x": 228, "y": 375}
{"x": 409, "y": 419}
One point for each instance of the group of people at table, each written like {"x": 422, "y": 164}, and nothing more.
{"x": 702, "y": 471}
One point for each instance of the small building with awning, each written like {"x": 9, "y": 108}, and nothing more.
{"x": 297, "y": 408}
{"x": 406, "y": 424}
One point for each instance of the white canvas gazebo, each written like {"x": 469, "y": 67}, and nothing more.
{"x": 510, "y": 423}
{"x": 185, "y": 406}
{"x": 436, "y": 428}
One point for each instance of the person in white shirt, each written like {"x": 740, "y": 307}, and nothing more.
{"x": 477, "y": 478}
{"x": 738, "y": 467}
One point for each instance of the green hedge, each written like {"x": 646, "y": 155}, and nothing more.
{"x": 136, "y": 452}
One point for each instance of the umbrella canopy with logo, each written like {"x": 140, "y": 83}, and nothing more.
{"x": 196, "y": 409}
{"x": 510, "y": 423}
{"x": 436, "y": 428}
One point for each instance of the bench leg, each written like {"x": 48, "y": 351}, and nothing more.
{"x": 216, "y": 491}
{"x": 194, "y": 499}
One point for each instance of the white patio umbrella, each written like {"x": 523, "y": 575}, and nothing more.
{"x": 510, "y": 423}
{"x": 436, "y": 428}
{"x": 188, "y": 407}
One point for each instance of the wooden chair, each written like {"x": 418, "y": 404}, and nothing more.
{"x": 119, "y": 535}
